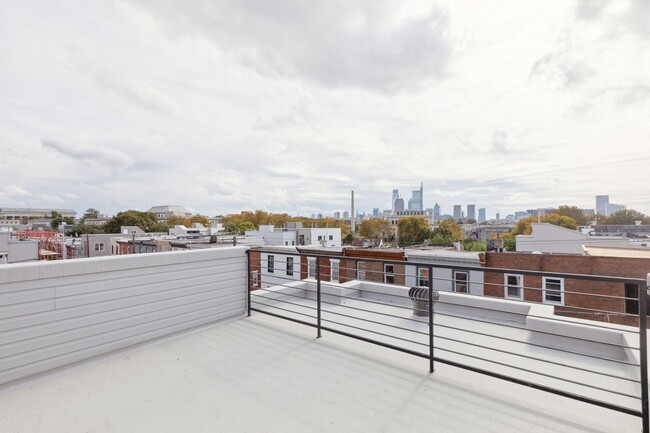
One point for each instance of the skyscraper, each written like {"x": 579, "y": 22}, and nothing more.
{"x": 481, "y": 215}
{"x": 611, "y": 208}
{"x": 399, "y": 205}
{"x": 457, "y": 212}
{"x": 601, "y": 204}
{"x": 471, "y": 211}
{"x": 436, "y": 210}
{"x": 395, "y": 197}
{"x": 417, "y": 199}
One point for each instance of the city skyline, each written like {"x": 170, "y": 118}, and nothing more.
{"x": 127, "y": 105}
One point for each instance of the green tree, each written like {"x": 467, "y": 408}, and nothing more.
{"x": 82, "y": 229}
{"x": 412, "y": 231}
{"x": 260, "y": 217}
{"x": 524, "y": 227}
{"x": 447, "y": 232}
{"x": 573, "y": 212}
{"x": 348, "y": 238}
{"x": 90, "y": 213}
{"x": 474, "y": 245}
{"x": 375, "y": 229}
{"x": 177, "y": 220}
{"x": 238, "y": 228}
{"x": 626, "y": 217}
{"x": 201, "y": 219}
{"x": 57, "y": 219}
{"x": 147, "y": 221}
{"x": 509, "y": 242}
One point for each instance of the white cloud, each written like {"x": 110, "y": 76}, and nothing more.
{"x": 223, "y": 106}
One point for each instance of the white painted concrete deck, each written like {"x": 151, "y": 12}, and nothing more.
{"x": 263, "y": 374}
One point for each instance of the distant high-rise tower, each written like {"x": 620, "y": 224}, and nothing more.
{"x": 399, "y": 205}
{"x": 354, "y": 215}
{"x": 457, "y": 212}
{"x": 395, "y": 197}
{"x": 498, "y": 217}
{"x": 613, "y": 208}
{"x": 471, "y": 211}
{"x": 481, "y": 215}
{"x": 417, "y": 199}
{"x": 436, "y": 210}
{"x": 601, "y": 204}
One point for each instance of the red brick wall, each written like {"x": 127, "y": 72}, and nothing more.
{"x": 374, "y": 270}
{"x": 255, "y": 258}
{"x": 585, "y": 292}
{"x": 325, "y": 267}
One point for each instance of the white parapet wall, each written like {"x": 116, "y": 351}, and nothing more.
{"x": 56, "y": 313}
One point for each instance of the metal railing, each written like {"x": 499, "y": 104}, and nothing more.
{"x": 564, "y": 348}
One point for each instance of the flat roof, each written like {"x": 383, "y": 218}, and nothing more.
{"x": 266, "y": 374}
{"x": 639, "y": 253}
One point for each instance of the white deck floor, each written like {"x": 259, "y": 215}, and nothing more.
{"x": 263, "y": 374}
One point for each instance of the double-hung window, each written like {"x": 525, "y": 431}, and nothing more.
{"x": 361, "y": 271}
{"x": 553, "y": 290}
{"x": 513, "y": 286}
{"x": 270, "y": 264}
{"x": 423, "y": 277}
{"x": 334, "y": 271}
{"x": 289, "y": 266}
{"x": 389, "y": 274}
{"x": 311, "y": 268}
{"x": 461, "y": 279}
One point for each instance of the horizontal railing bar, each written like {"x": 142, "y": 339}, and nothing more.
{"x": 534, "y": 359}
{"x": 377, "y": 323}
{"x": 539, "y": 345}
{"x": 539, "y": 387}
{"x": 534, "y": 330}
{"x": 540, "y": 374}
{"x": 377, "y": 342}
{"x": 376, "y": 332}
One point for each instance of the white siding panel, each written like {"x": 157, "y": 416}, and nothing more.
{"x": 56, "y": 313}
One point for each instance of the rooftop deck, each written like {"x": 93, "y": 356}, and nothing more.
{"x": 263, "y": 374}
{"x": 161, "y": 343}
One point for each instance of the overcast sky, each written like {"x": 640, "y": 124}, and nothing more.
{"x": 282, "y": 105}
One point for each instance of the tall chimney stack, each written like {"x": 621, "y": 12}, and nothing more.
{"x": 353, "y": 217}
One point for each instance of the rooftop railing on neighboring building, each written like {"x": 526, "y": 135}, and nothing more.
{"x": 577, "y": 336}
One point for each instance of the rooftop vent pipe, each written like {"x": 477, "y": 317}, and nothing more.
{"x": 420, "y": 297}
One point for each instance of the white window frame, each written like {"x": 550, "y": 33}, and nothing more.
{"x": 335, "y": 276}
{"x": 256, "y": 279}
{"x": 421, "y": 278}
{"x": 544, "y": 290}
{"x": 289, "y": 266}
{"x": 389, "y": 276}
{"x": 519, "y": 285}
{"x": 311, "y": 267}
{"x": 270, "y": 263}
{"x": 455, "y": 281}
{"x": 99, "y": 246}
{"x": 361, "y": 273}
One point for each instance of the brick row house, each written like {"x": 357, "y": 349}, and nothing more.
{"x": 615, "y": 302}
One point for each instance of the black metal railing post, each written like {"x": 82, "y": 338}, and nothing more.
{"x": 643, "y": 347}
{"x": 318, "y": 305}
{"x": 431, "y": 369}
{"x": 248, "y": 281}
